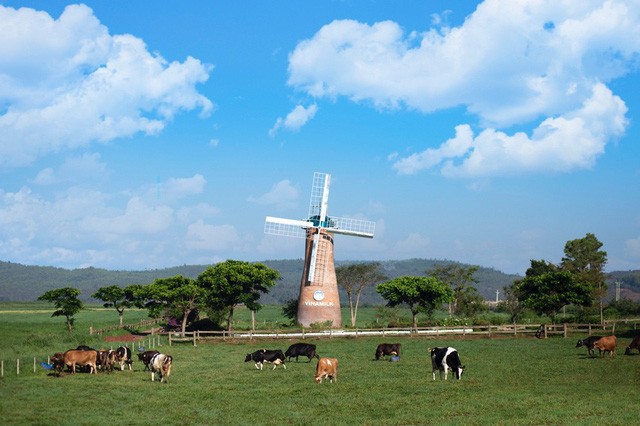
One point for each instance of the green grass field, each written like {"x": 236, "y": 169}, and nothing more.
{"x": 507, "y": 381}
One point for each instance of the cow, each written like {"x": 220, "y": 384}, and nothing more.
{"x": 74, "y": 357}
{"x": 123, "y": 355}
{"x": 145, "y": 358}
{"x": 57, "y": 360}
{"x": 588, "y": 343}
{"x": 606, "y": 344}
{"x": 301, "y": 349}
{"x": 161, "y": 364}
{"x": 635, "y": 344}
{"x": 327, "y": 369}
{"x": 276, "y": 357}
{"x": 444, "y": 359}
{"x": 387, "y": 349}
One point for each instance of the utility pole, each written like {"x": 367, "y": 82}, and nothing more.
{"x": 617, "y": 291}
{"x": 497, "y": 298}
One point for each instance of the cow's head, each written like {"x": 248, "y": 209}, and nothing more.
{"x": 580, "y": 343}
{"x": 459, "y": 372}
{"x": 247, "y": 358}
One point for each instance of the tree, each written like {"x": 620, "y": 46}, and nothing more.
{"x": 178, "y": 295}
{"x": 354, "y": 278}
{"x": 421, "y": 294}
{"x": 235, "y": 282}
{"x": 584, "y": 259}
{"x": 546, "y": 289}
{"x": 459, "y": 279}
{"x": 114, "y": 297}
{"x": 290, "y": 310}
{"x": 66, "y": 303}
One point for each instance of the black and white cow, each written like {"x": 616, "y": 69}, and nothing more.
{"x": 161, "y": 364}
{"x": 276, "y": 357}
{"x": 301, "y": 349}
{"x": 444, "y": 359}
{"x": 588, "y": 342}
{"x": 145, "y": 358}
{"x": 123, "y": 355}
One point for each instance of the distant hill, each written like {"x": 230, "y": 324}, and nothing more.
{"x": 25, "y": 283}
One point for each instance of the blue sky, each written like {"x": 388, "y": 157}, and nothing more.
{"x": 138, "y": 135}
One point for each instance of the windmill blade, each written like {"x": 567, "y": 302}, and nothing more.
{"x": 314, "y": 257}
{"x": 286, "y": 227}
{"x": 355, "y": 227}
{"x": 319, "y": 197}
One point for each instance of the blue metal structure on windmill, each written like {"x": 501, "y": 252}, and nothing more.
{"x": 319, "y": 301}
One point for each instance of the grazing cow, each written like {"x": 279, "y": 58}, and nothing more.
{"x": 588, "y": 342}
{"x": 301, "y": 349}
{"x": 327, "y": 368}
{"x": 276, "y": 357}
{"x": 74, "y": 357}
{"x": 606, "y": 344}
{"x": 123, "y": 355}
{"x": 161, "y": 364}
{"x": 57, "y": 360}
{"x": 635, "y": 344}
{"x": 145, "y": 357}
{"x": 387, "y": 349}
{"x": 444, "y": 359}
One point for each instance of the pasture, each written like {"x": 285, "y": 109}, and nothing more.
{"x": 506, "y": 381}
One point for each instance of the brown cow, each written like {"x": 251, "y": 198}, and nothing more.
{"x": 606, "y": 344}
{"x": 74, "y": 357}
{"x": 635, "y": 344}
{"x": 327, "y": 368}
{"x": 387, "y": 349}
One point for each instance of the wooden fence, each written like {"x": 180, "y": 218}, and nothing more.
{"x": 143, "y": 323}
{"x": 540, "y": 331}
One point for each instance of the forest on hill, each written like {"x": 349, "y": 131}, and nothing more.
{"x": 25, "y": 283}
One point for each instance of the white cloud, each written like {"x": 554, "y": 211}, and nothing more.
{"x": 508, "y": 63}
{"x": 203, "y": 236}
{"x": 66, "y": 83}
{"x": 283, "y": 194}
{"x": 570, "y": 141}
{"x": 297, "y": 118}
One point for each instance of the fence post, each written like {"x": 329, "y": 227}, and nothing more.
{"x": 91, "y": 330}
{"x": 18, "y": 366}
{"x": 194, "y": 339}
{"x": 545, "y": 331}
{"x": 489, "y": 331}
{"x": 34, "y": 364}
{"x": 169, "y": 339}
{"x": 302, "y": 333}
{"x": 515, "y": 329}
{"x": 565, "y": 329}
{"x": 2, "y": 368}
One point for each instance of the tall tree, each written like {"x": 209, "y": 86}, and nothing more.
{"x": 113, "y": 296}
{"x": 584, "y": 259}
{"x": 460, "y": 279}
{"x": 66, "y": 303}
{"x": 420, "y": 294}
{"x": 546, "y": 289}
{"x": 233, "y": 282}
{"x": 178, "y": 295}
{"x": 354, "y": 279}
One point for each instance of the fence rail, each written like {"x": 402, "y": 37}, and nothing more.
{"x": 541, "y": 331}
{"x": 143, "y": 323}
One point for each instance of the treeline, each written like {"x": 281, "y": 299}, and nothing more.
{"x": 25, "y": 283}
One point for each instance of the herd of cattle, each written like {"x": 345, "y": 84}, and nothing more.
{"x": 606, "y": 344}
{"x": 91, "y": 360}
{"x": 443, "y": 359}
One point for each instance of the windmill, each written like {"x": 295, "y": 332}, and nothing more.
{"x": 319, "y": 300}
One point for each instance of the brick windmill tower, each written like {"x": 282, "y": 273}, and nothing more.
{"x": 319, "y": 300}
